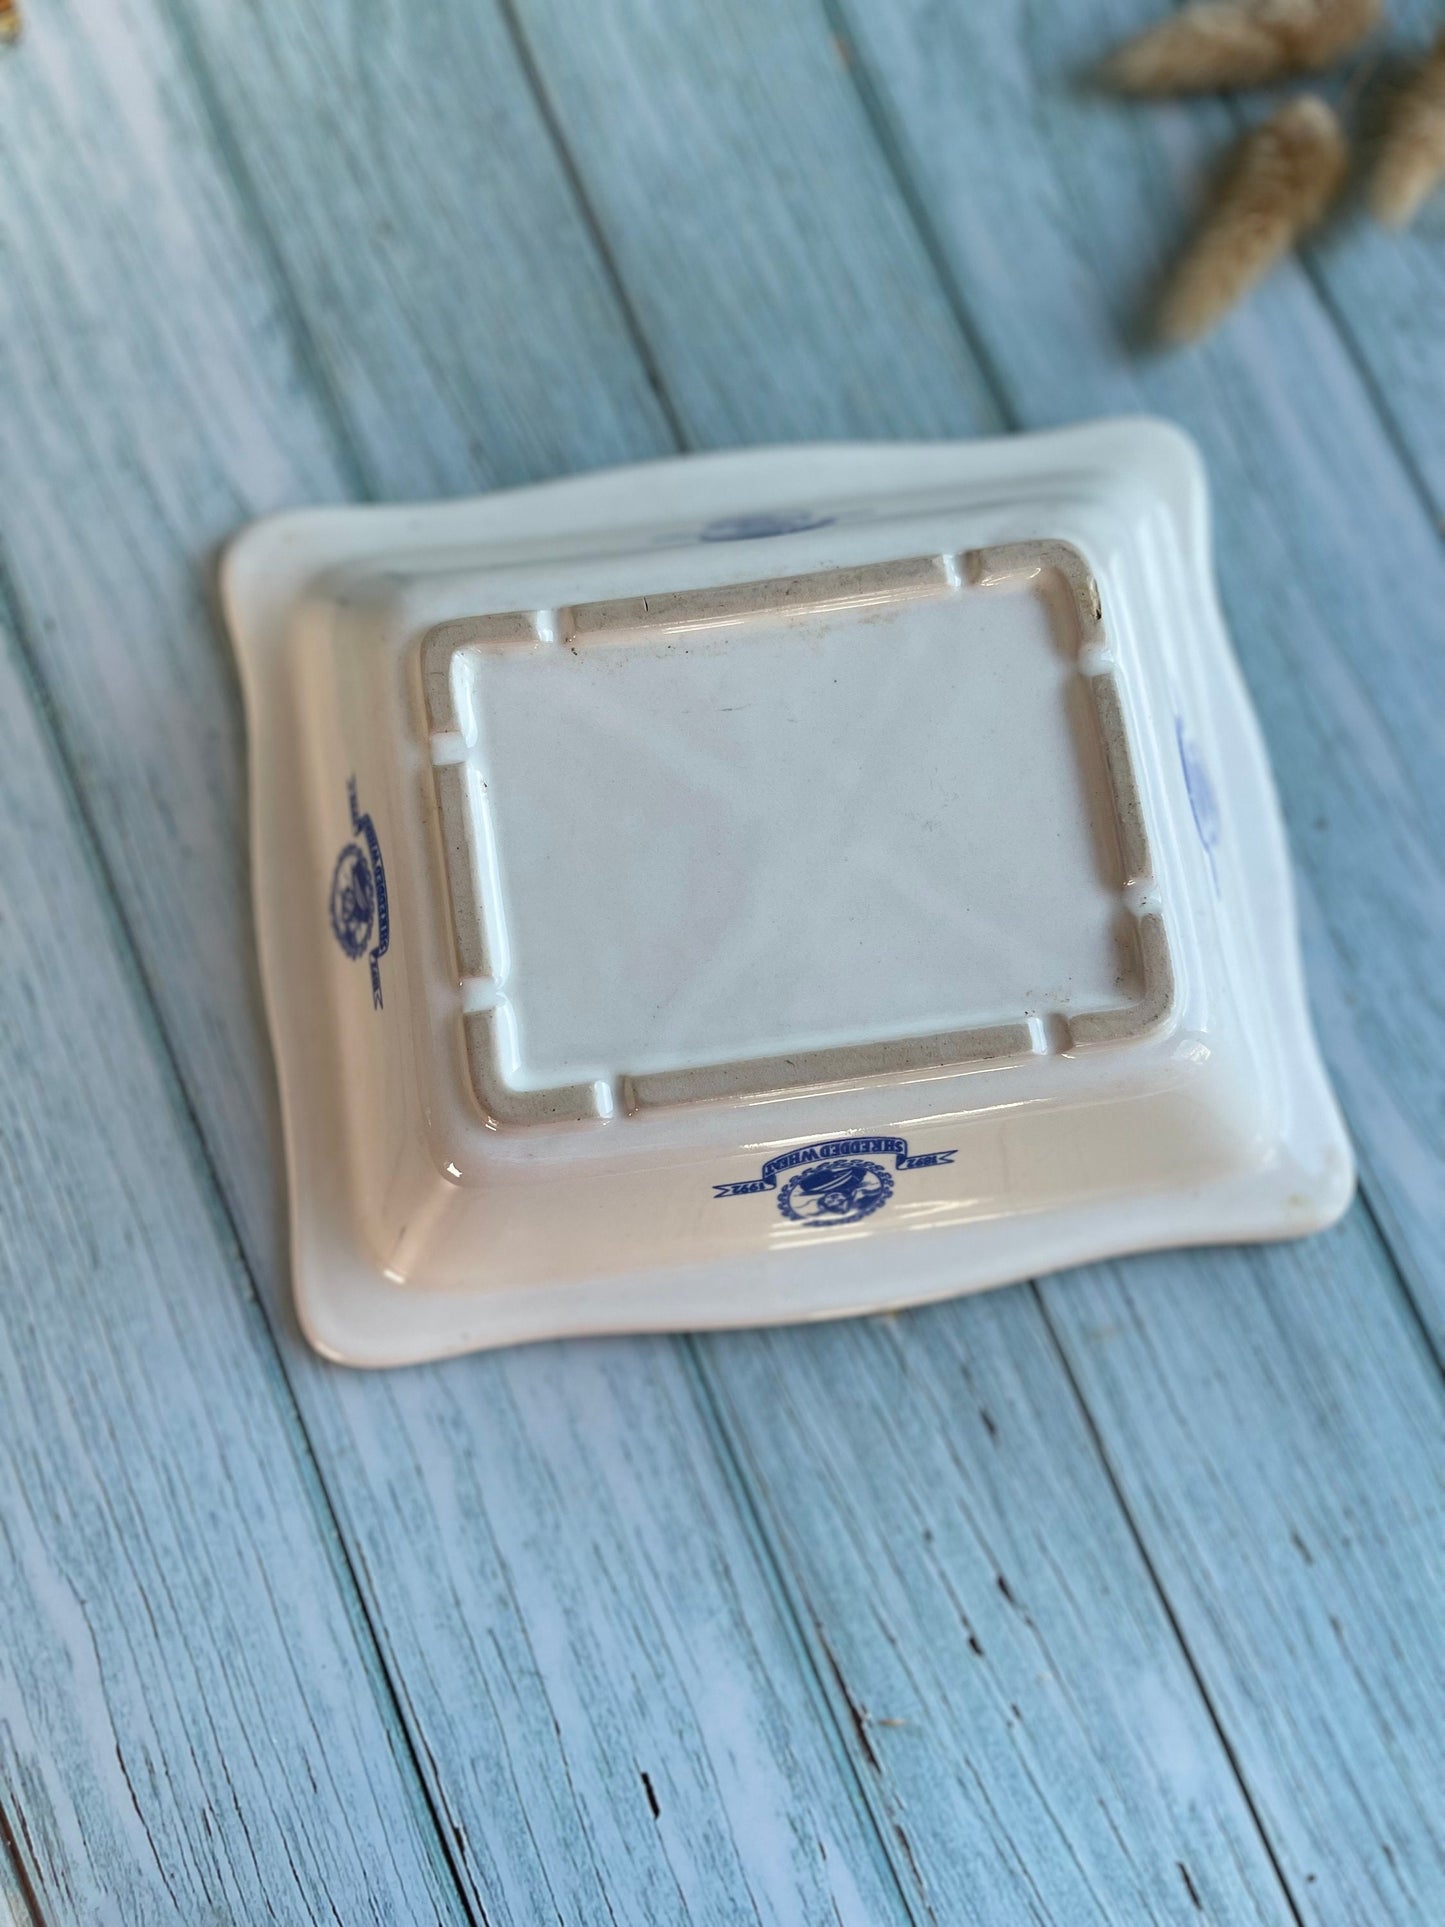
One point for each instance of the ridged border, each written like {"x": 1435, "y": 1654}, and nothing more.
{"x": 1055, "y": 569}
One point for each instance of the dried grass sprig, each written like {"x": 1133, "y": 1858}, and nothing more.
{"x": 1412, "y": 153}
{"x": 1239, "y": 43}
{"x": 1284, "y": 175}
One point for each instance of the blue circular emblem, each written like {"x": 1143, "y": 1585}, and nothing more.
{"x": 353, "y": 900}
{"x": 840, "y": 1192}
{"x": 751, "y": 528}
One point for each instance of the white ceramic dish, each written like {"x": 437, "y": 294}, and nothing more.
{"x": 766, "y": 886}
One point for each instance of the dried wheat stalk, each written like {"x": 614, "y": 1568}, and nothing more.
{"x": 1239, "y": 43}
{"x": 1412, "y": 155}
{"x": 1285, "y": 174}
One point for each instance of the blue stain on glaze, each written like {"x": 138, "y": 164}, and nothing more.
{"x": 1203, "y": 800}
{"x": 838, "y": 1180}
{"x": 754, "y": 528}
{"x": 358, "y": 895}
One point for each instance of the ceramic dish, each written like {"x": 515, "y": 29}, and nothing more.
{"x": 766, "y": 886}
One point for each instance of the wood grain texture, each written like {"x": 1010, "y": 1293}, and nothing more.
{"x": 1333, "y": 578}
{"x": 547, "y": 1806}
{"x": 496, "y": 1546}
{"x": 1009, "y": 174}
{"x": 780, "y": 286}
{"x": 619, "y": 1719}
{"x": 401, "y": 181}
{"x": 193, "y": 1725}
{"x": 1385, "y": 290}
{"x": 1034, "y": 1741}
{"x": 1331, "y": 567}
{"x": 1310, "y": 1589}
{"x": 435, "y": 1619}
{"x": 158, "y": 401}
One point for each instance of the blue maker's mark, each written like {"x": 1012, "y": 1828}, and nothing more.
{"x": 838, "y": 1181}
{"x": 752, "y": 528}
{"x": 358, "y": 895}
{"x": 839, "y": 1192}
{"x": 1203, "y": 802}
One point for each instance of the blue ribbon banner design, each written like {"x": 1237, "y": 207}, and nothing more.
{"x": 843, "y": 1147}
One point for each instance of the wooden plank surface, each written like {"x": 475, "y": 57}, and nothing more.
{"x": 614, "y": 1710}
{"x": 1385, "y": 290}
{"x": 441, "y": 1597}
{"x": 1034, "y": 1741}
{"x": 996, "y": 129}
{"x": 778, "y": 282}
{"x": 1307, "y": 487}
{"x": 542, "y": 1674}
{"x": 193, "y": 1725}
{"x": 260, "y": 285}
{"x": 1310, "y": 1590}
{"x": 394, "y": 169}
{"x": 1054, "y": 211}
{"x": 405, "y": 1602}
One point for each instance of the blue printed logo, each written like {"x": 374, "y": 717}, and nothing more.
{"x": 1203, "y": 803}
{"x": 839, "y": 1192}
{"x": 358, "y": 896}
{"x": 838, "y": 1181}
{"x": 752, "y": 528}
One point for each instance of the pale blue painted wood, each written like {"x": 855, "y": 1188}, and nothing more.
{"x": 615, "y": 1711}
{"x": 387, "y": 1494}
{"x": 193, "y": 1725}
{"x": 779, "y": 284}
{"x": 1333, "y": 577}
{"x": 1032, "y": 1737}
{"x": 1055, "y": 210}
{"x": 1383, "y": 291}
{"x": 1386, "y": 290}
{"x": 571, "y": 1614}
{"x": 436, "y": 1592}
{"x": 435, "y": 256}
{"x": 1001, "y": 151}
{"x": 1310, "y": 1589}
